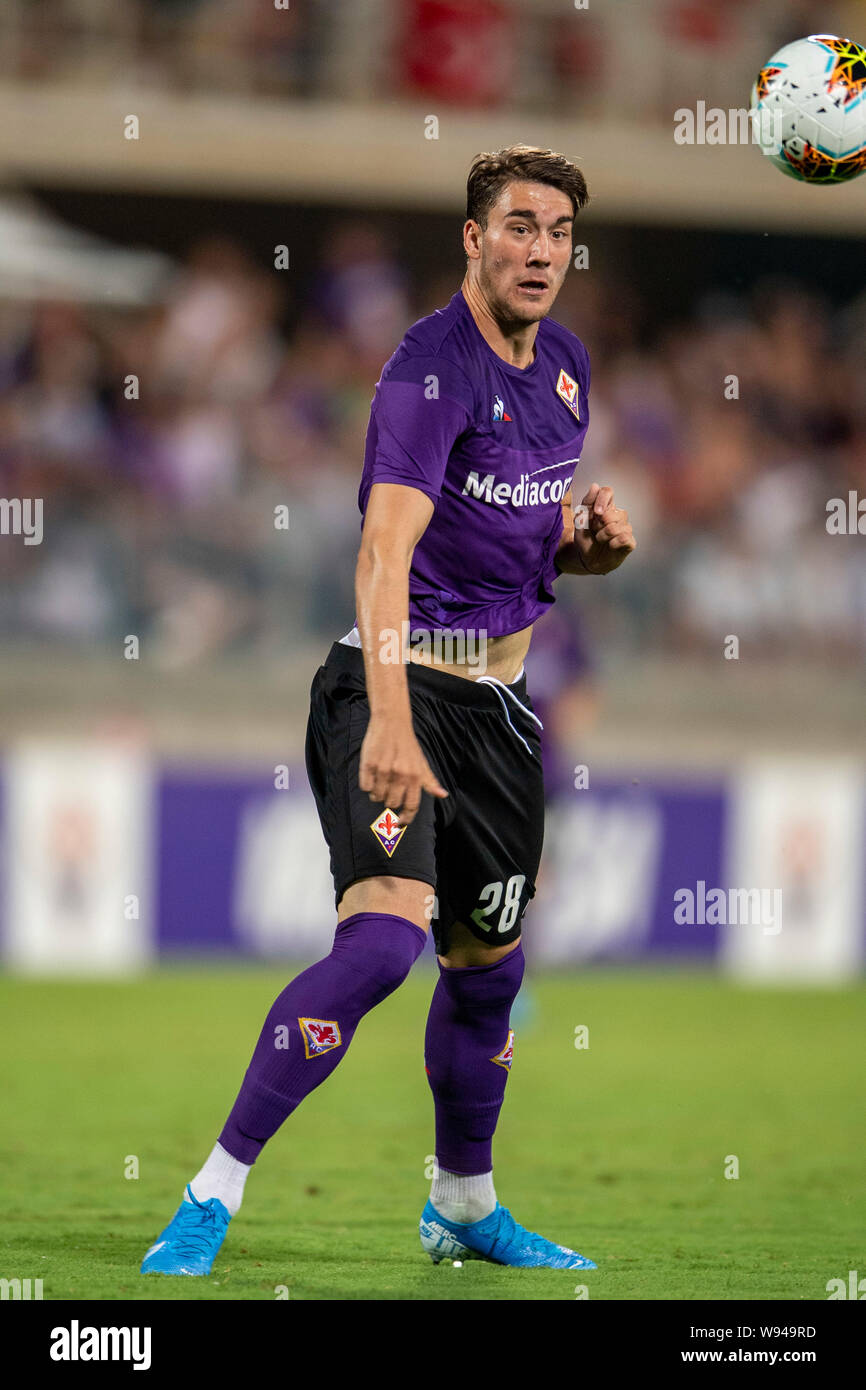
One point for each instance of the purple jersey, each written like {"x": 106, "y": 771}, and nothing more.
{"x": 494, "y": 447}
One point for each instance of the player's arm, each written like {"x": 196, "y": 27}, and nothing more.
{"x": 393, "y": 768}
{"x": 600, "y": 540}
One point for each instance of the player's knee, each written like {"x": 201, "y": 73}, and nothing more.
{"x": 390, "y": 959}
{"x": 382, "y": 946}
{"x": 498, "y": 985}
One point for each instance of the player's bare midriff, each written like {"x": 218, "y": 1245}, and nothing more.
{"x": 501, "y": 657}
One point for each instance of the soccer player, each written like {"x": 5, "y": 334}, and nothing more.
{"x": 424, "y": 755}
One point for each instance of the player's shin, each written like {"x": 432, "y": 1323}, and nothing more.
{"x": 468, "y": 1048}
{"x": 312, "y": 1022}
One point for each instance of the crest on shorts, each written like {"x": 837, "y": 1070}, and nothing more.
{"x": 505, "y": 1057}
{"x": 566, "y": 389}
{"x": 388, "y": 831}
{"x": 320, "y": 1035}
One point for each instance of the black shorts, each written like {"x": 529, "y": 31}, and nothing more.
{"x": 479, "y": 848}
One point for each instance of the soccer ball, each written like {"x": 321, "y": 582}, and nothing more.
{"x": 809, "y": 109}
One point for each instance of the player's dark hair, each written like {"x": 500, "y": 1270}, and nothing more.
{"x": 491, "y": 172}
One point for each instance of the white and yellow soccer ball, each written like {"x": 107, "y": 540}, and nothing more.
{"x": 809, "y": 109}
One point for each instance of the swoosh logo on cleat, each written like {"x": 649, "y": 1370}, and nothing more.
{"x": 153, "y": 1249}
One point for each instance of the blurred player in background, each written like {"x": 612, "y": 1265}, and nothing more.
{"x": 564, "y": 694}
{"x": 425, "y": 758}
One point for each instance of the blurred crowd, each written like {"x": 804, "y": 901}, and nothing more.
{"x": 166, "y": 440}
{"x": 620, "y": 58}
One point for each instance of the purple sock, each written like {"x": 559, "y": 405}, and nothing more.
{"x": 312, "y": 1022}
{"x": 467, "y": 1050}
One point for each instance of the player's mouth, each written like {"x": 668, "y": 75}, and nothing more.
{"x": 534, "y": 288}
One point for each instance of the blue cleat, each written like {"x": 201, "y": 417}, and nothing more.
{"x": 190, "y": 1241}
{"x": 497, "y": 1238}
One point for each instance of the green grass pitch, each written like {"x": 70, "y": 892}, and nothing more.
{"x": 618, "y": 1149}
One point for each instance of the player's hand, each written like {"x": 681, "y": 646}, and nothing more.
{"x": 607, "y": 538}
{"x": 393, "y": 768}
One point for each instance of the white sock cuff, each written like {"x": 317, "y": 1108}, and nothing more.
{"x": 221, "y": 1164}
{"x": 463, "y": 1197}
{"x": 459, "y": 1186}
{"x": 222, "y": 1176}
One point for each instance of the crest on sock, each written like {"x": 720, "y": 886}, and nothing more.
{"x": 320, "y": 1035}
{"x": 504, "y": 1058}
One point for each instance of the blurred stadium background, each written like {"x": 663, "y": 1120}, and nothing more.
{"x": 166, "y": 387}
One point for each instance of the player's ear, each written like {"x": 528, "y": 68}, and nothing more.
{"x": 472, "y": 238}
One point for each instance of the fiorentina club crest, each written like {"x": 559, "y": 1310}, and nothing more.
{"x": 387, "y": 831}
{"x": 566, "y": 389}
{"x": 320, "y": 1035}
{"x": 504, "y": 1058}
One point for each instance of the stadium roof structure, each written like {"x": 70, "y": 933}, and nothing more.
{"x": 42, "y": 257}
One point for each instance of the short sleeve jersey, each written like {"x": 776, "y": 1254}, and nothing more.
{"x": 495, "y": 448}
